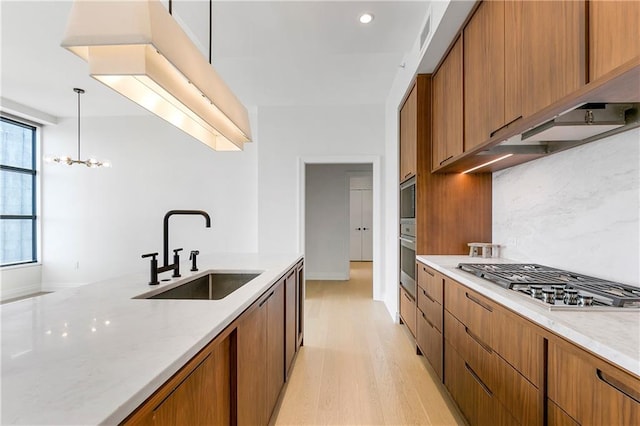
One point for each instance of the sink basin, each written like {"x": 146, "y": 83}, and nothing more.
{"x": 213, "y": 286}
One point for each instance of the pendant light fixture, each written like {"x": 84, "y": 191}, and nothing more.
{"x": 89, "y": 162}
{"x": 140, "y": 51}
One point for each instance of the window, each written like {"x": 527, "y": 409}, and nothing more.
{"x": 17, "y": 193}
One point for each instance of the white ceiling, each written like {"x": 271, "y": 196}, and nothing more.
{"x": 269, "y": 52}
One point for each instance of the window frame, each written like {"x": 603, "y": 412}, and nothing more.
{"x": 35, "y": 185}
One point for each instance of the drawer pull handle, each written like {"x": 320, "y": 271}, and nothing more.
{"x": 407, "y": 296}
{"x": 478, "y": 302}
{"x": 477, "y": 379}
{"x": 265, "y": 300}
{"x": 427, "y": 320}
{"x": 619, "y": 386}
{"x": 428, "y": 271}
{"x": 505, "y": 126}
{"x": 427, "y": 296}
{"x": 478, "y": 341}
{"x": 446, "y": 159}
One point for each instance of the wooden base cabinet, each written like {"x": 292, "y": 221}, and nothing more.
{"x": 499, "y": 352}
{"x": 589, "y": 390}
{"x": 408, "y": 311}
{"x": 238, "y": 377}
{"x": 261, "y": 358}
{"x": 429, "y": 316}
{"x": 199, "y": 394}
{"x": 475, "y": 399}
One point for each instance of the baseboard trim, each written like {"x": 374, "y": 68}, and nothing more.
{"x": 12, "y": 293}
{"x": 327, "y": 276}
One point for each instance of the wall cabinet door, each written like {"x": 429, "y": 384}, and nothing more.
{"x": 484, "y": 75}
{"x": 447, "y": 112}
{"x": 614, "y": 30}
{"x": 408, "y": 135}
{"x": 554, "y": 58}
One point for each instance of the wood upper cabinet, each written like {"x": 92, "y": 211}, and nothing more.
{"x": 492, "y": 70}
{"x": 554, "y": 51}
{"x": 447, "y": 112}
{"x": 409, "y": 135}
{"x": 483, "y": 73}
{"x": 590, "y": 390}
{"x": 614, "y": 31}
{"x": 198, "y": 394}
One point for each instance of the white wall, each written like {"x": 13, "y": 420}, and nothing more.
{"x": 288, "y": 134}
{"x": 98, "y": 222}
{"x": 578, "y": 209}
{"x": 327, "y": 220}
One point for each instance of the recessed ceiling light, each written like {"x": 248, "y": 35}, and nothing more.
{"x": 365, "y": 18}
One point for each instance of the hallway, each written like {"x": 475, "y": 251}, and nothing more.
{"x": 357, "y": 367}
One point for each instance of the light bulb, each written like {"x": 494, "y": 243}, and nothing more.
{"x": 366, "y": 18}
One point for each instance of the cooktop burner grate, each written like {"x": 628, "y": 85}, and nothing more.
{"x": 519, "y": 277}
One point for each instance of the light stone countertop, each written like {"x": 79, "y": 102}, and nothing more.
{"x": 614, "y": 336}
{"x": 92, "y": 354}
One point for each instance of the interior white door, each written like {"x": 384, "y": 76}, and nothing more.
{"x": 361, "y": 220}
{"x": 355, "y": 225}
{"x": 367, "y": 224}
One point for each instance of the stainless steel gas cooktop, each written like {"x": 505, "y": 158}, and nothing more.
{"x": 557, "y": 289}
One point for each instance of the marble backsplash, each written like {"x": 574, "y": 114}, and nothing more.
{"x": 577, "y": 210}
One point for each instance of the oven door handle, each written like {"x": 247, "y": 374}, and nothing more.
{"x": 409, "y": 243}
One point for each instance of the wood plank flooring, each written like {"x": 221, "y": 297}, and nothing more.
{"x": 357, "y": 367}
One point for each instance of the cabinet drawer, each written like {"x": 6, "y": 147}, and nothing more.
{"x": 471, "y": 309}
{"x": 514, "y": 338}
{"x": 408, "y": 310}
{"x": 429, "y": 341}
{"x": 431, "y": 309}
{"x": 596, "y": 393}
{"x": 515, "y": 392}
{"x": 474, "y": 398}
{"x": 557, "y": 417}
{"x": 430, "y": 281}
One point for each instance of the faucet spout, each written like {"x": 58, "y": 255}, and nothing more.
{"x": 165, "y": 239}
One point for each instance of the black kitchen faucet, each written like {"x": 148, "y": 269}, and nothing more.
{"x": 175, "y": 266}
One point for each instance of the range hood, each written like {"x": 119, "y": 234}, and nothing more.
{"x": 587, "y": 123}
{"x": 582, "y": 123}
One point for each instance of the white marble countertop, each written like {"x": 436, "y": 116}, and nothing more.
{"x": 92, "y": 354}
{"x": 614, "y": 336}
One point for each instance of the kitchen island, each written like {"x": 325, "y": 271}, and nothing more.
{"x": 93, "y": 354}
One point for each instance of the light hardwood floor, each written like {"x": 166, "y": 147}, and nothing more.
{"x": 358, "y": 367}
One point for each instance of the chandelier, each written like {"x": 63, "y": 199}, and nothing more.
{"x": 89, "y": 162}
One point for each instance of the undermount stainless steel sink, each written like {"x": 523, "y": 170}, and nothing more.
{"x": 213, "y": 286}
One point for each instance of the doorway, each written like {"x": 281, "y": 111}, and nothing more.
{"x": 327, "y": 219}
